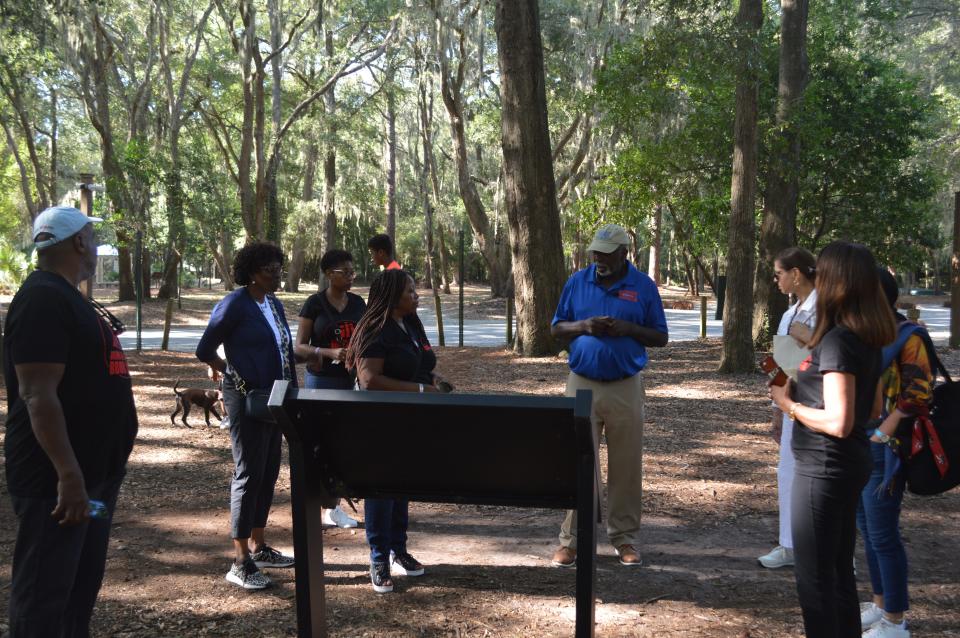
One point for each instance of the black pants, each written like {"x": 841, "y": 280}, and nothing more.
{"x": 824, "y": 534}
{"x": 256, "y": 460}
{"x": 58, "y": 570}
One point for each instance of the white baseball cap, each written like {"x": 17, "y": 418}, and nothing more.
{"x": 608, "y": 239}
{"x": 61, "y": 222}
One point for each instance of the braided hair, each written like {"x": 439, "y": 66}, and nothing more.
{"x": 385, "y": 292}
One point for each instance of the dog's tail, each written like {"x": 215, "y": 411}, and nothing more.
{"x": 175, "y": 386}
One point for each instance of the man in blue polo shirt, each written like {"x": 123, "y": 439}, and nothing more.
{"x": 611, "y": 312}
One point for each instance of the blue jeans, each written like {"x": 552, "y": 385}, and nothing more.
{"x": 319, "y": 382}
{"x": 386, "y": 520}
{"x": 57, "y": 570}
{"x": 878, "y": 519}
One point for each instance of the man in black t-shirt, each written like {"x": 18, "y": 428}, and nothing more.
{"x": 70, "y": 427}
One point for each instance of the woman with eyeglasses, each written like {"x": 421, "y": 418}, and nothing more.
{"x": 795, "y": 272}
{"x": 832, "y": 404}
{"x": 327, "y": 320}
{"x": 251, "y": 325}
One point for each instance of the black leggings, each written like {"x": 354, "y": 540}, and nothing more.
{"x": 824, "y": 534}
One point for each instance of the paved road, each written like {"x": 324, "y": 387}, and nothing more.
{"x": 684, "y": 325}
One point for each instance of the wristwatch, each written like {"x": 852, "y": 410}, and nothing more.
{"x": 884, "y": 438}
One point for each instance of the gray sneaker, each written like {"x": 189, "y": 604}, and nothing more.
{"x": 267, "y": 556}
{"x": 247, "y": 575}
{"x": 780, "y": 556}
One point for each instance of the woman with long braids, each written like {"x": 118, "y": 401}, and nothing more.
{"x": 391, "y": 352}
{"x": 831, "y": 406}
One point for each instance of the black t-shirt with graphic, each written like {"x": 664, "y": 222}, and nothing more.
{"x": 407, "y": 356}
{"x": 331, "y": 328}
{"x": 49, "y": 321}
{"x": 820, "y": 455}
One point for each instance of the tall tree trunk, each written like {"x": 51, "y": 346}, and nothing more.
{"x": 654, "y": 265}
{"x": 391, "y": 153}
{"x": 738, "y": 352}
{"x": 146, "y": 263}
{"x": 26, "y": 188}
{"x": 224, "y": 259}
{"x": 329, "y": 199}
{"x": 778, "y": 229}
{"x": 451, "y": 87}
{"x": 10, "y": 84}
{"x": 444, "y": 258}
{"x": 176, "y": 225}
{"x": 54, "y": 153}
{"x": 330, "y": 160}
{"x": 530, "y": 190}
{"x": 299, "y": 249}
{"x": 244, "y": 46}
{"x": 273, "y": 217}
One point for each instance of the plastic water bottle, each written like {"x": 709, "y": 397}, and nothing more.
{"x": 98, "y": 509}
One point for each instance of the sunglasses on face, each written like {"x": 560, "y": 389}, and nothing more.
{"x": 349, "y": 274}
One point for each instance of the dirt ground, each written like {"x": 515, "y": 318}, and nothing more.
{"x": 709, "y": 511}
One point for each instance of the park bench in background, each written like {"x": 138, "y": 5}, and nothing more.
{"x": 515, "y": 451}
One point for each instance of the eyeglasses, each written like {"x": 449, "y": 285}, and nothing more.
{"x": 272, "y": 270}
{"x": 349, "y": 274}
{"x": 115, "y": 324}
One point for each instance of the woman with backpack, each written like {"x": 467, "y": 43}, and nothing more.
{"x": 905, "y": 390}
{"x": 832, "y": 402}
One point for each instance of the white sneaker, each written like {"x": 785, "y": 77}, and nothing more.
{"x": 225, "y": 423}
{"x": 887, "y": 629}
{"x": 338, "y": 518}
{"x": 870, "y": 615}
{"x": 780, "y": 556}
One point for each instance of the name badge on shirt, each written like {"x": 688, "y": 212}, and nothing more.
{"x": 628, "y": 295}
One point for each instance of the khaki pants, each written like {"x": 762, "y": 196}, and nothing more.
{"x": 618, "y": 411}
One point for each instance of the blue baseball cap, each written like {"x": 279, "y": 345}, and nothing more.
{"x": 61, "y": 222}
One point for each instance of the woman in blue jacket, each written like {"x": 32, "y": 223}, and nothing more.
{"x": 250, "y": 324}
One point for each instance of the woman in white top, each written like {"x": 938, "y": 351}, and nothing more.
{"x": 795, "y": 272}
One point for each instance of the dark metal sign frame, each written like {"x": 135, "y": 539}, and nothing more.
{"x": 517, "y": 451}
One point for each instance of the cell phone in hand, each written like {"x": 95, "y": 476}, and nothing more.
{"x": 772, "y": 368}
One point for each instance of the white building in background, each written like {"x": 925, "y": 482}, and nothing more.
{"x": 108, "y": 265}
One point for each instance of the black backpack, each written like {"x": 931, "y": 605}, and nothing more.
{"x": 931, "y": 441}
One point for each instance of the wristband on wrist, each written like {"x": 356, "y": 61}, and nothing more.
{"x": 793, "y": 411}
{"x": 421, "y": 387}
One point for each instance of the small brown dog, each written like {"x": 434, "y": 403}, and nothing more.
{"x": 188, "y": 397}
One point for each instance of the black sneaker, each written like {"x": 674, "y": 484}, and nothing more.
{"x": 405, "y": 564}
{"x": 267, "y": 556}
{"x": 380, "y": 577}
{"x": 247, "y": 575}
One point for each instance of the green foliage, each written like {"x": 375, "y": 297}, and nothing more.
{"x": 14, "y": 267}
{"x": 863, "y": 122}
